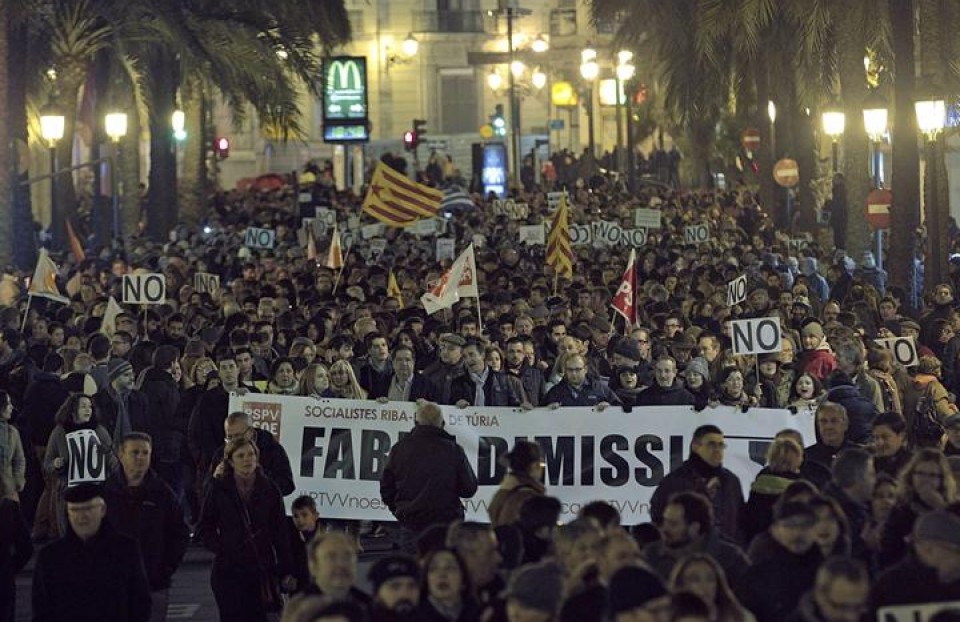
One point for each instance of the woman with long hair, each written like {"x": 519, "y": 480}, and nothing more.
{"x": 522, "y": 481}
{"x": 806, "y": 393}
{"x": 882, "y": 502}
{"x": 925, "y": 484}
{"x": 730, "y": 389}
{"x": 243, "y": 522}
{"x": 302, "y": 347}
{"x": 75, "y": 415}
{"x": 445, "y": 591}
{"x": 343, "y": 382}
{"x": 283, "y": 378}
{"x": 831, "y": 533}
{"x": 702, "y": 575}
{"x": 784, "y": 458}
{"x": 315, "y": 381}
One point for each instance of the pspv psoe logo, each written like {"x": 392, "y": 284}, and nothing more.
{"x": 266, "y": 416}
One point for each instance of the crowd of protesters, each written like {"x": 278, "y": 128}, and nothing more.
{"x": 860, "y": 517}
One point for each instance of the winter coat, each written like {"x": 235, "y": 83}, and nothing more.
{"x": 675, "y": 395}
{"x": 470, "y": 612}
{"x": 533, "y": 383}
{"x": 138, "y": 411}
{"x": 421, "y": 492}
{"x": 420, "y": 388}
{"x": 899, "y": 525}
{"x": 593, "y": 391}
{"x": 93, "y": 581}
{"x": 857, "y": 516}
{"x": 16, "y": 549}
{"x": 151, "y": 515}
{"x": 57, "y": 448}
{"x": 910, "y": 582}
{"x": 819, "y": 363}
{"x": 164, "y": 396}
{"x": 205, "y": 431}
{"x": 731, "y": 557}
{"x": 441, "y": 375}
{"x": 764, "y": 492}
{"x": 13, "y": 462}
{"x": 860, "y": 410}
{"x": 497, "y": 390}
{"x": 889, "y": 391}
{"x": 514, "y": 490}
{"x": 824, "y": 455}
{"x": 773, "y": 587}
{"x": 273, "y": 461}
{"x": 43, "y": 398}
{"x": 376, "y": 382}
{"x": 694, "y": 475}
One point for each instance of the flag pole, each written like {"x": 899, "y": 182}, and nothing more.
{"x": 479, "y": 317}
{"x": 340, "y": 273}
{"x": 26, "y": 312}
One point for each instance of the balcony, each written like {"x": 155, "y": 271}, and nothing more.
{"x": 451, "y": 21}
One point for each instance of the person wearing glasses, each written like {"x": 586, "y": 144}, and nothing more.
{"x": 703, "y": 472}
{"x": 577, "y": 389}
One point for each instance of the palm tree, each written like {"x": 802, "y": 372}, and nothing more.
{"x": 6, "y": 150}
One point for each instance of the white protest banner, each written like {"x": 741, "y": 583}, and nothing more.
{"x": 446, "y": 248}
{"x": 144, "y": 289}
{"x": 917, "y": 613}
{"x": 424, "y": 227}
{"x": 757, "y": 336}
{"x": 86, "y": 460}
{"x": 633, "y": 237}
{"x": 256, "y": 237}
{"x": 646, "y": 218}
{"x": 581, "y": 235}
{"x": 606, "y": 233}
{"x": 737, "y": 290}
{"x": 327, "y": 216}
{"x": 339, "y": 448}
{"x": 368, "y": 232}
{"x": 696, "y": 234}
{"x": 533, "y": 235}
{"x": 903, "y": 349}
{"x": 206, "y": 283}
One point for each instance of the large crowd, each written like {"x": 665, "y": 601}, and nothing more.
{"x": 865, "y": 515}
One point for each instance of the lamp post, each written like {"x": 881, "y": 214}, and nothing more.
{"x": 115, "y": 125}
{"x": 625, "y": 71}
{"x": 931, "y": 118}
{"x": 875, "y": 122}
{"x": 52, "y": 124}
{"x": 834, "y": 122}
{"x": 772, "y": 115}
{"x": 589, "y": 70}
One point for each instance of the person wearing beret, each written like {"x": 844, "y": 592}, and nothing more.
{"x": 92, "y": 573}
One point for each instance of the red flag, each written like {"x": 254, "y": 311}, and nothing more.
{"x": 624, "y": 301}
{"x": 75, "y": 246}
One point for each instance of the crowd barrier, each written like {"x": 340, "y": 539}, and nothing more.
{"x": 338, "y": 448}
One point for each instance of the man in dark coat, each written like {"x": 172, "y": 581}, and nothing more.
{"x": 704, "y": 472}
{"x": 577, "y": 388}
{"x": 404, "y": 385}
{"x": 860, "y": 410}
{"x": 143, "y": 506}
{"x": 930, "y": 573}
{"x": 481, "y": 385}
{"x": 773, "y": 587}
{"x": 852, "y": 487}
{"x": 840, "y": 594}
{"x": 448, "y": 366}
{"x": 205, "y": 431}
{"x": 164, "y": 396}
{"x": 93, "y": 573}
{"x": 515, "y": 364}
{"x": 120, "y": 406}
{"x": 273, "y": 457}
{"x": 15, "y": 551}
{"x": 375, "y": 370}
{"x": 666, "y": 390}
{"x": 832, "y": 424}
{"x": 423, "y": 492}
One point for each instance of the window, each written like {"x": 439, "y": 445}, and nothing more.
{"x": 563, "y": 22}
{"x": 458, "y": 102}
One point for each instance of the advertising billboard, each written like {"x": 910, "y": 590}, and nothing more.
{"x": 345, "y": 101}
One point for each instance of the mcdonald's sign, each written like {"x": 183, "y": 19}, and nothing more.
{"x": 345, "y": 89}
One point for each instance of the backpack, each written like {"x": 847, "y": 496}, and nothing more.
{"x": 926, "y": 429}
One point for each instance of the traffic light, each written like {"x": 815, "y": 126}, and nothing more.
{"x": 419, "y": 129}
{"x": 498, "y": 121}
{"x": 221, "y": 147}
{"x": 410, "y": 140}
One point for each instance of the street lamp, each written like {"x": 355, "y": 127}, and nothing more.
{"x": 875, "y": 122}
{"x": 494, "y": 80}
{"x": 517, "y": 68}
{"x": 115, "y": 125}
{"x": 772, "y": 115}
{"x": 931, "y": 119}
{"x": 538, "y": 78}
{"x": 834, "y": 122}
{"x": 52, "y": 126}
{"x": 625, "y": 71}
{"x": 410, "y": 46}
{"x": 540, "y": 45}
{"x": 178, "y": 121}
{"x": 589, "y": 70}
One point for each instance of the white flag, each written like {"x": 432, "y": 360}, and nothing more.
{"x": 109, "y": 324}
{"x": 459, "y": 280}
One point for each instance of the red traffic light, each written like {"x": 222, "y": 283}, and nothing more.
{"x": 221, "y": 147}
{"x": 410, "y": 140}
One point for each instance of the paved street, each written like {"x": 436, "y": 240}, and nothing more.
{"x": 191, "y": 598}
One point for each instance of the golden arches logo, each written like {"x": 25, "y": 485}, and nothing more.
{"x": 345, "y": 74}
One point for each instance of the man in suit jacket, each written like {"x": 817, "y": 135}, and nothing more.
{"x": 405, "y": 385}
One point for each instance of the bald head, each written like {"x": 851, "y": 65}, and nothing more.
{"x": 430, "y": 414}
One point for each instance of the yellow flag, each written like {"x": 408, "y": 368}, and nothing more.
{"x": 393, "y": 289}
{"x": 559, "y": 248}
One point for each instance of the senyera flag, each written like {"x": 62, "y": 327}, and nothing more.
{"x": 624, "y": 301}
{"x": 397, "y": 201}
{"x": 559, "y": 247}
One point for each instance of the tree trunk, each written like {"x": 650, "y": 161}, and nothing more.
{"x": 806, "y": 157}
{"x": 905, "y": 180}
{"x": 194, "y": 185}
{"x": 7, "y": 161}
{"x": 162, "y": 191}
{"x": 71, "y": 77}
{"x": 764, "y": 155}
{"x": 24, "y": 234}
{"x": 851, "y": 48}
{"x": 128, "y": 169}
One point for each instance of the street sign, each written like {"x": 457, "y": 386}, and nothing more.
{"x": 438, "y": 145}
{"x": 878, "y": 208}
{"x": 786, "y": 173}
{"x": 556, "y": 124}
{"x": 750, "y": 139}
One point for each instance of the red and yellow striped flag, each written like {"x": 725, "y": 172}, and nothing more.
{"x": 396, "y": 201}
{"x": 393, "y": 289}
{"x": 559, "y": 248}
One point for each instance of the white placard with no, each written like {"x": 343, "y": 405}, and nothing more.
{"x": 327, "y": 216}
{"x": 903, "y": 349}
{"x": 144, "y": 289}
{"x": 256, "y": 237}
{"x": 915, "y": 613}
{"x": 206, "y": 283}
{"x": 87, "y": 458}
{"x": 737, "y": 290}
{"x": 756, "y": 336}
{"x": 581, "y": 235}
{"x": 446, "y": 248}
{"x": 368, "y": 232}
{"x": 696, "y": 234}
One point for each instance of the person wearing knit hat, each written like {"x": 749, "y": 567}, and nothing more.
{"x": 396, "y": 593}
{"x": 535, "y": 592}
{"x": 122, "y": 407}
{"x": 697, "y": 365}
{"x": 636, "y": 590}
{"x": 817, "y": 358}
